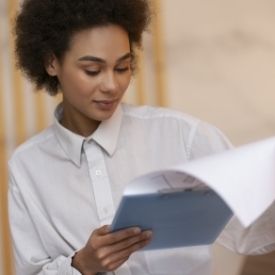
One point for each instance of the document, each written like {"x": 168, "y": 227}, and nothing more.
{"x": 189, "y": 204}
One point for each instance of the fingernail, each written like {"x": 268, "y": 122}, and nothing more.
{"x": 149, "y": 234}
{"x": 136, "y": 230}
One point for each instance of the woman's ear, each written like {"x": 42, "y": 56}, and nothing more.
{"x": 51, "y": 64}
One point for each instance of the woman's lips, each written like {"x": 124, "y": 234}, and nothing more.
{"x": 105, "y": 104}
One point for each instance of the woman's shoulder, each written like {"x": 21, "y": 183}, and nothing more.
{"x": 34, "y": 141}
{"x": 153, "y": 112}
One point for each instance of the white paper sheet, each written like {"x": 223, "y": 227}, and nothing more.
{"x": 244, "y": 177}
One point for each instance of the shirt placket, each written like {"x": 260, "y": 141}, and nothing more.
{"x": 101, "y": 184}
{"x": 102, "y": 191}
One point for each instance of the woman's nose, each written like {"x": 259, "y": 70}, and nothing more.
{"x": 109, "y": 83}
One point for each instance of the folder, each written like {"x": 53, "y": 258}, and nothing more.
{"x": 189, "y": 204}
{"x": 190, "y": 215}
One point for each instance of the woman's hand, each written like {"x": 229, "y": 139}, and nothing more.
{"x": 107, "y": 251}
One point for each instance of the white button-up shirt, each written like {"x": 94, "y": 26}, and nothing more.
{"x": 63, "y": 186}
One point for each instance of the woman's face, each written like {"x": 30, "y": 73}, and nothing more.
{"x": 94, "y": 74}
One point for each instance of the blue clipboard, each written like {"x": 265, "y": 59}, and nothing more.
{"x": 182, "y": 218}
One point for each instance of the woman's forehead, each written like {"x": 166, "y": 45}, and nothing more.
{"x": 101, "y": 39}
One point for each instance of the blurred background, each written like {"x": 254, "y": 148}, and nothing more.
{"x": 212, "y": 59}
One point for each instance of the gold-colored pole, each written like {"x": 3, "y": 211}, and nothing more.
{"x": 5, "y": 237}
{"x": 158, "y": 51}
{"x": 18, "y": 97}
{"x": 6, "y": 242}
{"x": 40, "y": 112}
{"x": 140, "y": 81}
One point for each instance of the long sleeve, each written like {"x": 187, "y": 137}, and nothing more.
{"x": 30, "y": 256}
{"x": 258, "y": 238}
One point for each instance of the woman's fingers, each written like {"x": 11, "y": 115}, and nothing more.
{"x": 112, "y": 260}
{"x": 106, "y": 251}
{"x": 141, "y": 238}
{"x": 107, "y": 238}
{"x": 111, "y": 243}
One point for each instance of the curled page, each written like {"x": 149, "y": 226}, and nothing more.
{"x": 244, "y": 177}
{"x": 190, "y": 204}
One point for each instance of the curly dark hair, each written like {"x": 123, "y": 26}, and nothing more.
{"x": 44, "y": 27}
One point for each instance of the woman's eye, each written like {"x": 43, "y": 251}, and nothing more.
{"x": 92, "y": 73}
{"x": 121, "y": 70}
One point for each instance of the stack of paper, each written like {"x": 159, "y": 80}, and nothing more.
{"x": 189, "y": 204}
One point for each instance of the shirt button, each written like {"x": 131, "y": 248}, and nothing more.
{"x": 105, "y": 210}
{"x": 98, "y": 172}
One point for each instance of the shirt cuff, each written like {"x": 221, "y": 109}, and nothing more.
{"x": 66, "y": 267}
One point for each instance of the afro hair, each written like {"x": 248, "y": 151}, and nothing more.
{"x": 46, "y": 27}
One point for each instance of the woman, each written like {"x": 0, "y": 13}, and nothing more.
{"x": 66, "y": 182}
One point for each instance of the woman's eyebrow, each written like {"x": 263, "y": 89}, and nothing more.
{"x": 92, "y": 58}
{"x": 100, "y": 60}
{"x": 126, "y": 56}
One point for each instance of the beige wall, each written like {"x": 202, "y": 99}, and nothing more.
{"x": 220, "y": 63}
{"x": 216, "y": 62}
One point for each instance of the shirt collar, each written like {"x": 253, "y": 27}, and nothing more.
{"x": 106, "y": 135}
